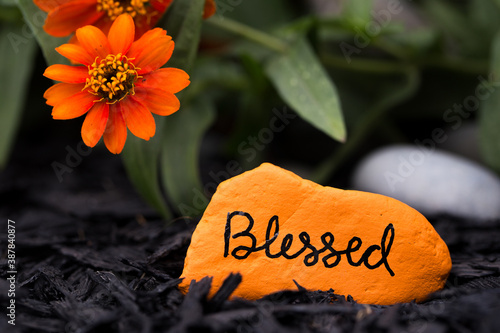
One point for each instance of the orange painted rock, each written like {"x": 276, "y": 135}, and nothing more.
{"x": 274, "y": 227}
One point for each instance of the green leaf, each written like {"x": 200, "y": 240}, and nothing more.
{"x": 357, "y": 12}
{"x": 35, "y": 18}
{"x": 489, "y": 123}
{"x": 497, "y": 3}
{"x": 489, "y": 115}
{"x": 495, "y": 56}
{"x": 141, "y": 158}
{"x": 15, "y": 69}
{"x": 184, "y": 131}
{"x": 183, "y": 22}
{"x": 303, "y": 83}
{"x": 7, "y": 2}
{"x": 485, "y": 14}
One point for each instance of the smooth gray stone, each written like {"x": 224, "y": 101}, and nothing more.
{"x": 431, "y": 181}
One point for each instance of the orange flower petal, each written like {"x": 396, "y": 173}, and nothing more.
{"x": 152, "y": 50}
{"x": 73, "y": 106}
{"x": 95, "y": 124}
{"x": 94, "y": 41}
{"x": 209, "y": 8}
{"x": 115, "y": 133}
{"x": 121, "y": 35}
{"x": 138, "y": 118}
{"x": 75, "y": 53}
{"x": 158, "y": 101}
{"x": 60, "y": 91}
{"x": 68, "y": 74}
{"x": 48, "y": 5}
{"x": 66, "y": 18}
{"x": 139, "y": 45}
{"x": 172, "y": 80}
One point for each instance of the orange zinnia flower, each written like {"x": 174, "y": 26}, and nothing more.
{"x": 209, "y": 9}
{"x": 120, "y": 84}
{"x": 65, "y": 16}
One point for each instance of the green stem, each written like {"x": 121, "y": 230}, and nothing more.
{"x": 365, "y": 126}
{"x": 390, "y": 48}
{"x": 249, "y": 33}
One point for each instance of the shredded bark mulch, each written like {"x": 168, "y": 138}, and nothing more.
{"x": 91, "y": 257}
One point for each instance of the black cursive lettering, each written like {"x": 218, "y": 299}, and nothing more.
{"x": 330, "y": 260}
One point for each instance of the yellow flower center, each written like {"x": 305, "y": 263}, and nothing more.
{"x": 113, "y": 78}
{"x": 115, "y": 8}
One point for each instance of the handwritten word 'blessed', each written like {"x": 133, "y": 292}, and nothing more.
{"x": 331, "y": 259}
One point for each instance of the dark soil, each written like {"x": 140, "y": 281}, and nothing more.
{"x": 92, "y": 257}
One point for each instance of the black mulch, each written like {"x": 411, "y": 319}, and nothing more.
{"x": 91, "y": 257}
